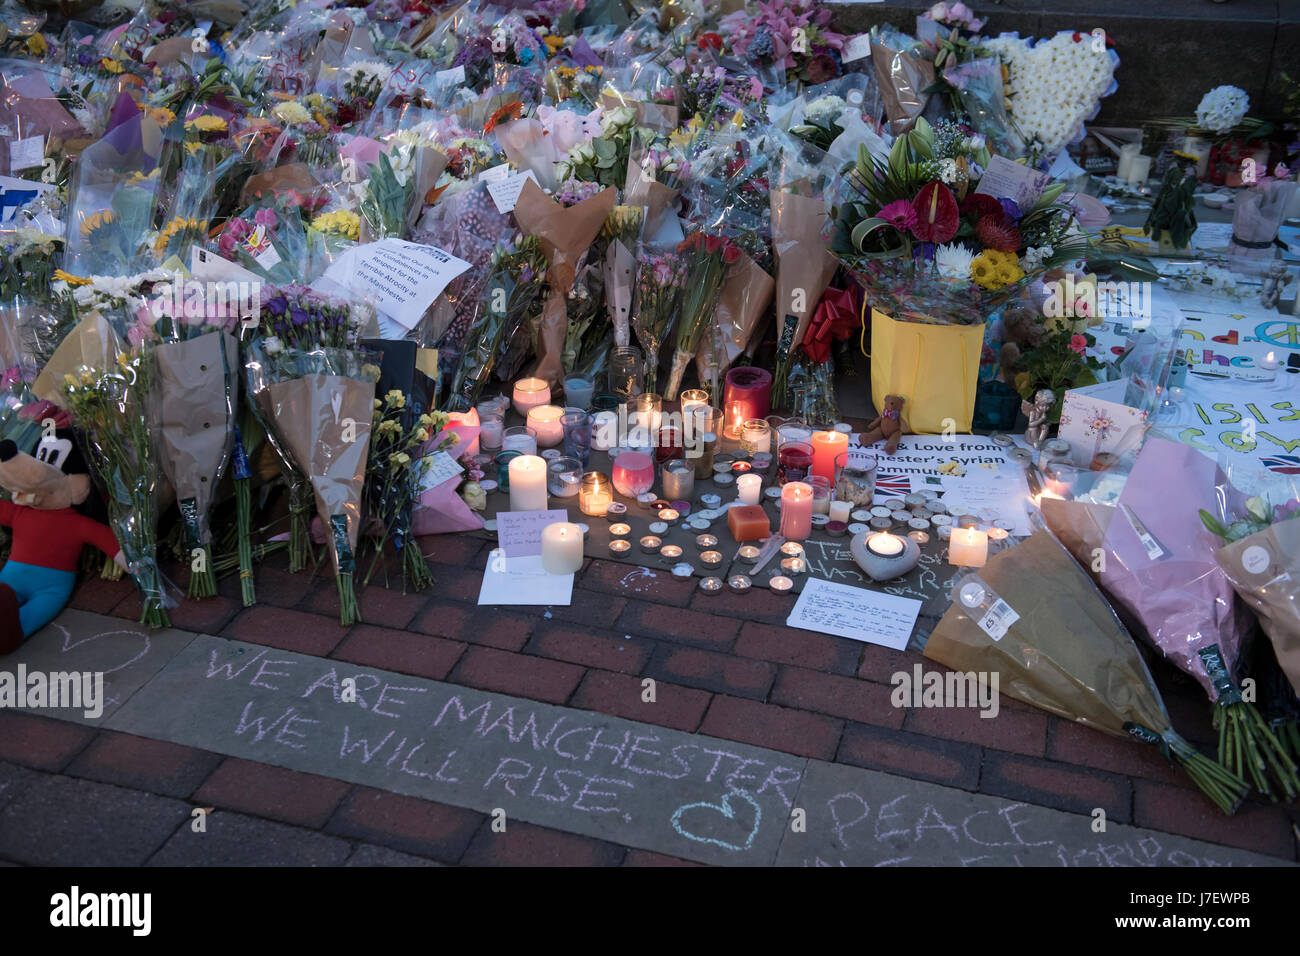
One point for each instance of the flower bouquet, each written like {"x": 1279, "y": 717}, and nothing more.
{"x": 708, "y": 256}
{"x": 1033, "y": 616}
{"x": 660, "y": 287}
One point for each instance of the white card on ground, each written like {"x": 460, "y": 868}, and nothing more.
{"x": 855, "y": 613}
{"x": 26, "y": 153}
{"x": 991, "y": 499}
{"x": 523, "y": 581}
{"x": 520, "y": 532}
{"x": 401, "y": 278}
{"x": 856, "y": 48}
{"x": 505, "y": 192}
{"x": 438, "y": 467}
{"x": 1007, "y": 180}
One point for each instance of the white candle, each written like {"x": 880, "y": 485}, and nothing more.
{"x": 545, "y": 420}
{"x": 750, "y": 488}
{"x": 490, "y": 432}
{"x": 531, "y": 392}
{"x": 527, "y": 483}
{"x": 561, "y": 547}
{"x": 968, "y": 548}
{"x": 884, "y": 544}
{"x": 1269, "y": 362}
{"x": 840, "y": 511}
{"x": 1139, "y": 170}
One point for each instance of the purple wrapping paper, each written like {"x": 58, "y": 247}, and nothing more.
{"x": 1183, "y": 600}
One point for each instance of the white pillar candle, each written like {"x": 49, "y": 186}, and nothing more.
{"x": 750, "y": 488}
{"x": 561, "y": 547}
{"x": 529, "y": 393}
{"x": 545, "y": 420}
{"x": 840, "y": 510}
{"x": 1139, "y": 170}
{"x": 527, "y": 483}
{"x": 968, "y": 548}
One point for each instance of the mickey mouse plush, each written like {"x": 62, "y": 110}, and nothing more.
{"x": 48, "y": 534}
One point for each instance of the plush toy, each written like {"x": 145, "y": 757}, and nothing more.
{"x": 48, "y": 533}
{"x": 890, "y": 426}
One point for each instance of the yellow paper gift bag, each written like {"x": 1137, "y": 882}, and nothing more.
{"x": 934, "y": 367}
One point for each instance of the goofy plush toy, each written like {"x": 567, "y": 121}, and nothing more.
{"x": 48, "y": 534}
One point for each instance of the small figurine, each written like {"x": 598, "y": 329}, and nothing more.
{"x": 1035, "y": 434}
{"x": 890, "y": 426}
{"x": 1274, "y": 283}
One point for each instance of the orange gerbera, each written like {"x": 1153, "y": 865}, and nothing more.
{"x": 511, "y": 111}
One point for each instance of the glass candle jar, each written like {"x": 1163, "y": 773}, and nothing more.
{"x": 529, "y": 393}
{"x": 626, "y": 372}
{"x": 577, "y": 436}
{"x": 578, "y": 391}
{"x": 633, "y": 472}
{"x": 756, "y": 436}
{"x": 794, "y": 461}
{"x": 563, "y": 476}
{"x": 492, "y": 427}
{"x": 821, "y": 494}
{"x": 604, "y": 430}
{"x": 734, "y": 415}
{"x": 706, "y": 444}
{"x": 678, "y": 479}
{"x": 855, "y": 478}
{"x": 694, "y": 398}
{"x": 595, "y": 494}
{"x": 544, "y": 420}
{"x": 649, "y": 409}
{"x": 669, "y": 445}
{"x": 519, "y": 438}
{"x": 502, "y": 461}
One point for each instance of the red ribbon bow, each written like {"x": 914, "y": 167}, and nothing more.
{"x": 835, "y": 320}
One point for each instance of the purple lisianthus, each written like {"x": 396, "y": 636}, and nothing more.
{"x": 1010, "y": 209}
{"x": 277, "y": 305}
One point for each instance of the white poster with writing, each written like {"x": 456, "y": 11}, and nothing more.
{"x": 401, "y": 278}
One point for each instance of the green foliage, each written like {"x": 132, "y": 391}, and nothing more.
{"x": 1174, "y": 207}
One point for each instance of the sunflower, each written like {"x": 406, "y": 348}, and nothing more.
{"x": 94, "y": 223}
{"x": 70, "y": 279}
{"x": 511, "y": 111}
{"x": 174, "y": 228}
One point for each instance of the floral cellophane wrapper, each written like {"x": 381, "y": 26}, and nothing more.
{"x": 91, "y": 343}
{"x": 565, "y": 233}
{"x": 742, "y": 304}
{"x": 1183, "y": 600}
{"x": 804, "y": 266}
{"x": 644, "y": 190}
{"x": 1264, "y": 569}
{"x": 903, "y": 79}
{"x": 619, "y": 271}
{"x": 324, "y": 422}
{"x": 198, "y": 389}
{"x": 1068, "y": 653}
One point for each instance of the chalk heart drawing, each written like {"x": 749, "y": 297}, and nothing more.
{"x": 69, "y": 644}
{"x": 727, "y": 810}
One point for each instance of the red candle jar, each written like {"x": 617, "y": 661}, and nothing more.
{"x": 669, "y": 446}
{"x": 752, "y": 389}
{"x": 794, "y": 462}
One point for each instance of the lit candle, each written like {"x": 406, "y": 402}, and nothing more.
{"x": 519, "y": 438}
{"x": 679, "y": 479}
{"x": 692, "y": 398}
{"x": 633, "y": 472}
{"x": 564, "y": 476}
{"x": 826, "y": 447}
{"x": 490, "y": 431}
{"x": 885, "y": 545}
{"x": 545, "y": 421}
{"x": 751, "y": 390}
{"x": 527, "y": 483}
{"x": 756, "y": 436}
{"x": 821, "y": 495}
{"x": 649, "y": 410}
{"x": 968, "y": 548}
{"x": 595, "y": 495}
{"x": 1139, "y": 170}
{"x": 796, "y": 510}
{"x": 840, "y": 511}
{"x": 529, "y": 393}
{"x": 750, "y": 488}
{"x": 1269, "y": 362}
{"x": 463, "y": 424}
{"x": 561, "y": 548}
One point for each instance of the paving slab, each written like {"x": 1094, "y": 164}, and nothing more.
{"x": 867, "y": 818}
{"x": 233, "y": 839}
{"x": 617, "y": 780}
{"x": 126, "y": 653}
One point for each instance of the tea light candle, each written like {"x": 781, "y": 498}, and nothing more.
{"x": 918, "y": 524}
{"x": 881, "y": 524}
{"x": 658, "y": 527}
{"x": 706, "y": 541}
{"x": 794, "y": 565}
{"x": 620, "y": 529}
{"x": 620, "y": 546}
{"x": 836, "y": 529}
{"x": 651, "y": 544}
{"x": 668, "y": 514}
{"x": 683, "y": 569}
{"x": 564, "y": 476}
{"x": 711, "y": 585}
{"x": 1269, "y": 364}
{"x": 780, "y": 583}
{"x": 792, "y": 549}
{"x": 739, "y": 583}
{"x": 968, "y": 521}
{"x": 616, "y": 509}
{"x": 998, "y": 535}
{"x": 749, "y": 488}
{"x": 561, "y": 548}
{"x": 529, "y": 393}
{"x": 901, "y": 515}
{"x": 748, "y": 554}
{"x": 920, "y": 537}
{"x": 670, "y": 551}
{"x": 826, "y": 447}
{"x": 944, "y": 533}
{"x": 711, "y": 558}
{"x": 840, "y": 511}
{"x": 796, "y": 510}
{"x": 880, "y": 511}
{"x": 679, "y": 479}
{"x": 968, "y": 548}
{"x": 545, "y": 420}
{"x": 527, "y": 483}
{"x": 885, "y": 545}
{"x": 595, "y": 495}
{"x": 699, "y": 523}
{"x": 739, "y": 468}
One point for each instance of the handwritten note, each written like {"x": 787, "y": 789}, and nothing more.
{"x": 855, "y": 613}
{"x": 1007, "y": 180}
{"x": 437, "y": 468}
{"x": 519, "y": 533}
{"x": 505, "y": 192}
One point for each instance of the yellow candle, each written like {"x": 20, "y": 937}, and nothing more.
{"x": 545, "y": 420}
{"x": 531, "y": 392}
{"x": 968, "y": 548}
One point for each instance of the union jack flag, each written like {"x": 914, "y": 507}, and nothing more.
{"x": 893, "y": 486}
{"x": 1282, "y": 464}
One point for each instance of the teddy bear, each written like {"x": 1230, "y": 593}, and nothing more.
{"x": 48, "y": 529}
{"x": 890, "y": 426}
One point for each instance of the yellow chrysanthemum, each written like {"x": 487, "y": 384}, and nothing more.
{"x": 207, "y": 123}
{"x": 553, "y": 43}
{"x": 69, "y": 278}
{"x": 339, "y": 223}
{"x": 983, "y": 272}
{"x": 395, "y": 398}
{"x": 388, "y": 427}
{"x": 36, "y": 44}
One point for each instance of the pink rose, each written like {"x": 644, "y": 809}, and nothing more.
{"x": 1078, "y": 343}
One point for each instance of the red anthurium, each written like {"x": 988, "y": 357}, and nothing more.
{"x": 936, "y": 213}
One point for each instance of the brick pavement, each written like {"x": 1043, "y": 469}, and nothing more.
{"x": 724, "y": 666}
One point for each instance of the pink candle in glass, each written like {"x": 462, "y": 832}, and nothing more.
{"x": 634, "y": 474}
{"x": 529, "y": 393}
{"x": 752, "y": 388}
{"x": 796, "y": 511}
{"x": 826, "y": 447}
{"x": 545, "y": 420}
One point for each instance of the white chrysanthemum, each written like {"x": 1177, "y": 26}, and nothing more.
{"x": 1222, "y": 108}
{"x": 271, "y": 345}
{"x": 824, "y": 109}
{"x": 292, "y": 113}
{"x": 953, "y": 261}
{"x": 366, "y": 68}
